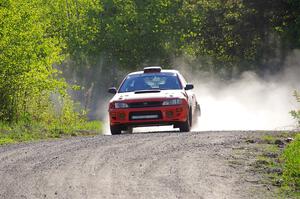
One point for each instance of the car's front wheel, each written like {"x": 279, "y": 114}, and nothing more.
{"x": 186, "y": 126}
{"x": 115, "y": 130}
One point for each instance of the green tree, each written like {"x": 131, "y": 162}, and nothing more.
{"x": 26, "y": 60}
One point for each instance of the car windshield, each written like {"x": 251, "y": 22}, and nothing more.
{"x": 153, "y": 81}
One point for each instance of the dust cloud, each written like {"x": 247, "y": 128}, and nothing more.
{"x": 250, "y": 102}
{"x": 102, "y": 110}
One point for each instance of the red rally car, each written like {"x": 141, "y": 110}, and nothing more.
{"x": 153, "y": 97}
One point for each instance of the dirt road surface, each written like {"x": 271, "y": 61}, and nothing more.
{"x": 140, "y": 165}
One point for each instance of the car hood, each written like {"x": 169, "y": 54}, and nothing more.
{"x": 149, "y": 95}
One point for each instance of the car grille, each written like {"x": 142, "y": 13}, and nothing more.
{"x": 145, "y": 115}
{"x": 145, "y": 104}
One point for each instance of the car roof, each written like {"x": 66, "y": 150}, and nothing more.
{"x": 162, "y": 71}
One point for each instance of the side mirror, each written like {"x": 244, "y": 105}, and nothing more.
{"x": 189, "y": 87}
{"x": 112, "y": 90}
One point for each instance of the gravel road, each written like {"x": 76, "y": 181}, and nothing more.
{"x": 140, "y": 165}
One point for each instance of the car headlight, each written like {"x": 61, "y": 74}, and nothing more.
{"x": 121, "y": 105}
{"x": 172, "y": 102}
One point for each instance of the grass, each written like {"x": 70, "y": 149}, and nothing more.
{"x": 268, "y": 139}
{"x": 24, "y": 132}
{"x": 291, "y": 168}
{"x": 273, "y": 148}
{"x": 283, "y": 169}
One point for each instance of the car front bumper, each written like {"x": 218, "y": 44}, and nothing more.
{"x": 164, "y": 115}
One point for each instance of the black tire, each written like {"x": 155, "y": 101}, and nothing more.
{"x": 115, "y": 130}
{"x": 195, "y": 119}
{"x": 129, "y": 130}
{"x": 186, "y": 126}
{"x": 196, "y": 115}
{"x": 198, "y": 110}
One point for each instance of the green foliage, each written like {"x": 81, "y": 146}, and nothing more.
{"x": 234, "y": 35}
{"x": 24, "y": 131}
{"x": 296, "y": 113}
{"x": 291, "y": 156}
{"x": 269, "y": 139}
{"x": 133, "y": 32}
{"x": 290, "y": 23}
{"x": 34, "y": 102}
{"x": 291, "y": 171}
{"x": 27, "y": 77}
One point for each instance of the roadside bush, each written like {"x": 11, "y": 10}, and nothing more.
{"x": 28, "y": 53}
{"x": 296, "y": 113}
{"x": 34, "y": 102}
{"x": 23, "y": 131}
{"x": 291, "y": 173}
{"x": 291, "y": 157}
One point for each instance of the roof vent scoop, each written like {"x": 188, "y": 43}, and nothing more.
{"x": 152, "y": 69}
